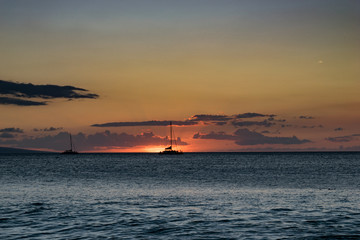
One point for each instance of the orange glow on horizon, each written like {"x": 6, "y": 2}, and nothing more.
{"x": 153, "y": 149}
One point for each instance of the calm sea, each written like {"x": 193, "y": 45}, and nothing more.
{"x": 192, "y": 196}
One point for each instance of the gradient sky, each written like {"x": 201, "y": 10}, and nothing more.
{"x": 294, "y": 63}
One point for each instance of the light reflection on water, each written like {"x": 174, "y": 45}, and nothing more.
{"x": 196, "y": 196}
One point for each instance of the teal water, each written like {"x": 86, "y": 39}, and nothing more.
{"x": 191, "y": 196}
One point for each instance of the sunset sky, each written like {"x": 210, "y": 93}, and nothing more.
{"x": 233, "y": 75}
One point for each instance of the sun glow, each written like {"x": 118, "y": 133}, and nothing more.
{"x": 153, "y": 149}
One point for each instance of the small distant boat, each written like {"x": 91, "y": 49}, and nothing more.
{"x": 72, "y": 148}
{"x": 170, "y": 150}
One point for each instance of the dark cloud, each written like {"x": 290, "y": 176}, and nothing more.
{"x": 246, "y": 137}
{"x": 347, "y": 138}
{"x": 20, "y": 102}
{"x": 101, "y": 140}
{"x": 338, "y": 129}
{"x": 50, "y": 129}
{"x": 12, "y": 130}
{"x": 6, "y": 135}
{"x": 252, "y": 115}
{"x": 264, "y": 123}
{"x": 209, "y": 117}
{"x": 306, "y": 117}
{"x": 145, "y": 123}
{"x": 18, "y": 93}
{"x": 28, "y": 90}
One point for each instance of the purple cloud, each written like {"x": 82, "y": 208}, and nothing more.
{"x": 7, "y": 135}
{"x": 246, "y": 137}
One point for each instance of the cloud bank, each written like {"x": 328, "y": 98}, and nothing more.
{"x": 92, "y": 142}
{"x": 241, "y": 125}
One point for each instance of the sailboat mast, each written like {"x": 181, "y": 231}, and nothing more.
{"x": 171, "y": 135}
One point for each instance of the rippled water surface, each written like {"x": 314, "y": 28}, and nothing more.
{"x": 192, "y": 196}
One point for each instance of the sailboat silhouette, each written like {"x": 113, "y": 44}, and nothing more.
{"x": 72, "y": 148}
{"x": 170, "y": 150}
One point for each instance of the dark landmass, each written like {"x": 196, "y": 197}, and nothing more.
{"x": 18, "y": 150}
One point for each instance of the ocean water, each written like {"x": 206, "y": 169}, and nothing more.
{"x": 190, "y": 196}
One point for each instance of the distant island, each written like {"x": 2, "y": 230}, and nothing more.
{"x": 18, "y": 150}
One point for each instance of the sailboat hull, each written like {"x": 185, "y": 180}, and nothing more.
{"x": 172, "y": 152}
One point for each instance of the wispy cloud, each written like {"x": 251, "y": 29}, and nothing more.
{"x": 264, "y": 123}
{"x": 347, "y": 138}
{"x": 246, "y": 137}
{"x": 210, "y": 117}
{"x": 20, "y": 102}
{"x": 313, "y": 126}
{"x": 145, "y": 123}
{"x": 306, "y": 117}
